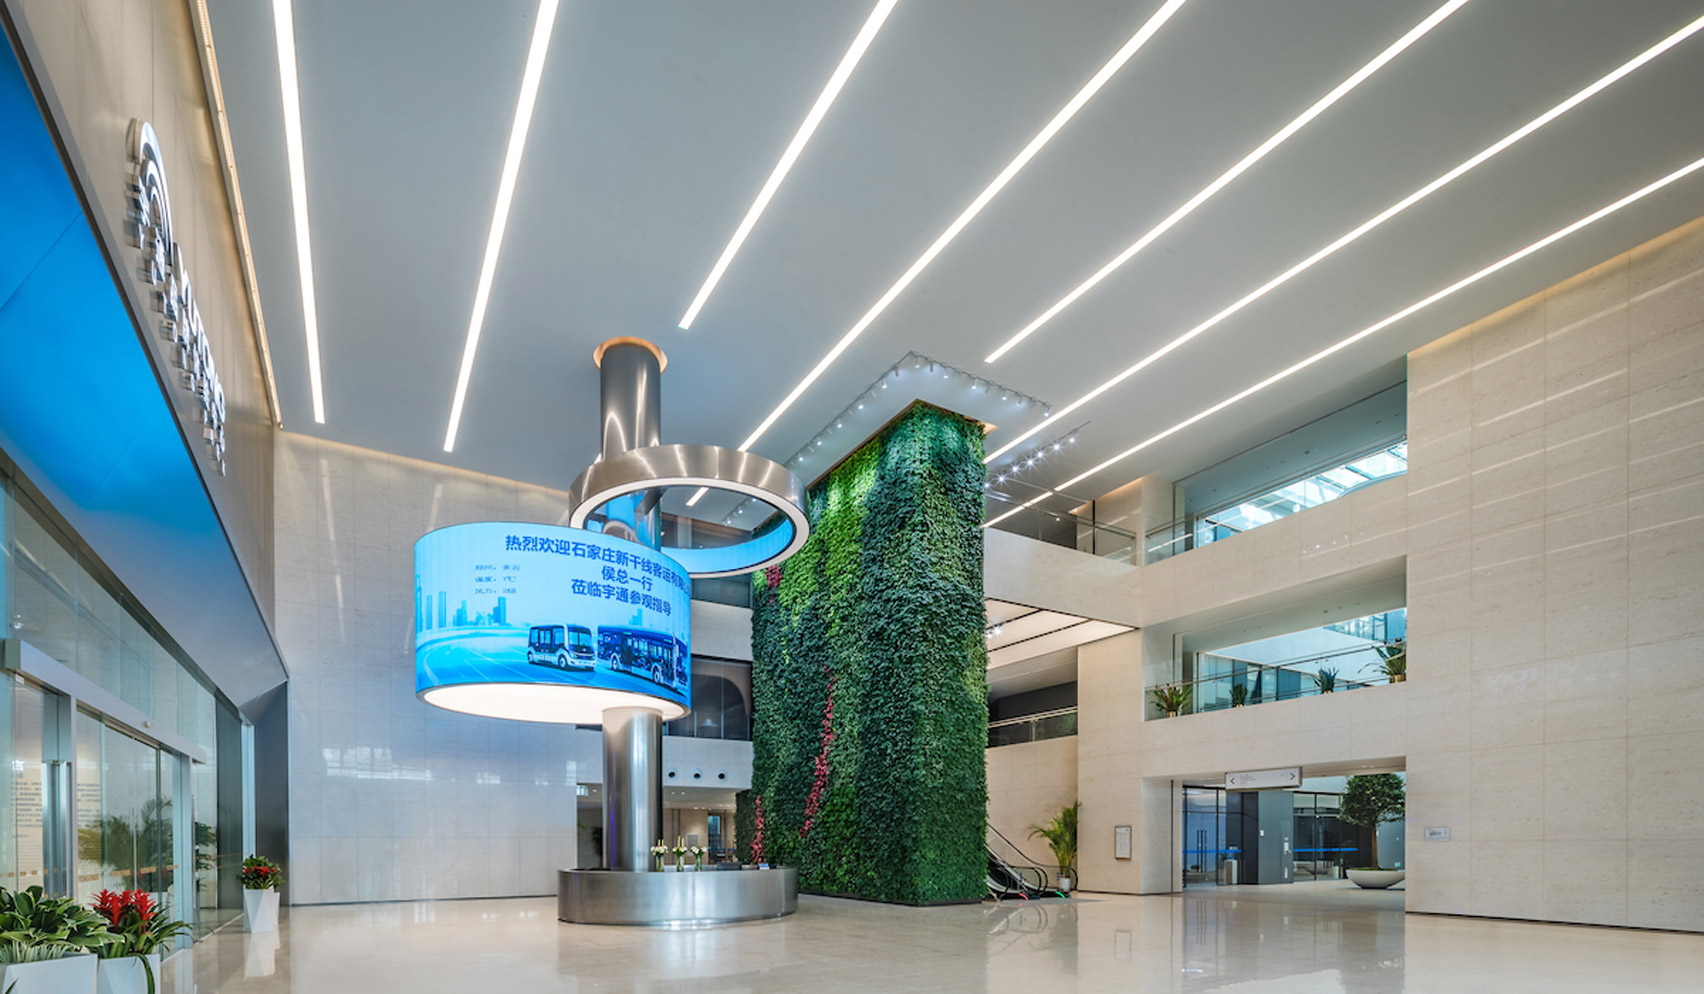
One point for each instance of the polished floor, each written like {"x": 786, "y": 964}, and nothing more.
{"x": 1324, "y": 938}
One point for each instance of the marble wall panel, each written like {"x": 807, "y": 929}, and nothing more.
{"x": 1552, "y": 521}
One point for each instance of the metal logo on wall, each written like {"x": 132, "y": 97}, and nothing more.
{"x": 164, "y": 270}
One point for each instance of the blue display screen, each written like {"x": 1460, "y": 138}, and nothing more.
{"x": 504, "y": 603}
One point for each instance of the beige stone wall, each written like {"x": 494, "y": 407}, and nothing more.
{"x": 1028, "y": 783}
{"x": 1556, "y": 610}
{"x": 1551, "y": 527}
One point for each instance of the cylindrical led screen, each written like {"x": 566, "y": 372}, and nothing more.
{"x": 543, "y": 623}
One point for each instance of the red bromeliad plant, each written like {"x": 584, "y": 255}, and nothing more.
{"x": 139, "y": 926}
{"x": 137, "y": 921}
{"x": 260, "y": 873}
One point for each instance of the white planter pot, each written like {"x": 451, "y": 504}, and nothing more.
{"x": 1376, "y": 879}
{"x": 126, "y": 976}
{"x": 71, "y": 975}
{"x": 260, "y": 910}
{"x": 1065, "y": 884}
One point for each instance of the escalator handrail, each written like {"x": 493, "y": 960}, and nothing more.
{"x": 1031, "y": 859}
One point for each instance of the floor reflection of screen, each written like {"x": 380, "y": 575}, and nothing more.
{"x": 505, "y": 603}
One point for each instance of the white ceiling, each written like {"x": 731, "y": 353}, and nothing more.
{"x": 658, "y": 122}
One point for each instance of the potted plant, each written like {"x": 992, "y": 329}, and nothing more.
{"x": 1061, "y": 836}
{"x": 1171, "y": 698}
{"x": 697, "y": 854}
{"x": 1393, "y": 660}
{"x": 661, "y": 852}
{"x": 1373, "y": 800}
{"x": 260, "y": 877}
{"x": 1239, "y": 694}
{"x": 1326, "y": 679}
{"x": 130, "y": 964}
{"x": 680, "y": 852}
{"x": 47, "y": 944}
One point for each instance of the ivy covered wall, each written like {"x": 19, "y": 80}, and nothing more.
{"x": 869, "y": 677}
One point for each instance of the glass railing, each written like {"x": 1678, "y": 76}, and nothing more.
{"x": 1226, "y": 682}
{"x": 1073, "y": 531}
{"x": 1278, "y": 501}
{"x": 1033, "y": 727}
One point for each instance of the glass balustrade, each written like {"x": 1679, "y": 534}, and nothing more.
{"x": 1077, "y": 530}
{"x": 1276, "y": 501}
{"x": 1220, "y": 682}
{"x": 1033, "y": 727}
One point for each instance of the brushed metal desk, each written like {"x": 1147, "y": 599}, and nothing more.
{"x": 675, "y": 899}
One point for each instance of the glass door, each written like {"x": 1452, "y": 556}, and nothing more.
{"x": 125, "y": 830}
{"x": 35, "y": 848}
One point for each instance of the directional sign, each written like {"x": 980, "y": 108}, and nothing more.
{"x": 1289, "y": 778}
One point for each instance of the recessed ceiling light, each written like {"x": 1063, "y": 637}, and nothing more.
{"x": 1421, "y": 304}
{"x": 1366, "y": 226}
{"x": 284, "y": 25}
{"x": 505, "y": 198}
{"x": 842, "y": 73}
{"x": 982, "y": 200}
{"x": 1207, "y": 192}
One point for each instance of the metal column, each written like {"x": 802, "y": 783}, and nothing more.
{"x": 633, "y": 786}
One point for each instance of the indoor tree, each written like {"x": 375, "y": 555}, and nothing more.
{"x": 1373, "y": 800}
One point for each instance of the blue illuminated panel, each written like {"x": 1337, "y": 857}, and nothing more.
{"x": 509, "y": 604}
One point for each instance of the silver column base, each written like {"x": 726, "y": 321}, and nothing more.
{"x": 675, "y": 899}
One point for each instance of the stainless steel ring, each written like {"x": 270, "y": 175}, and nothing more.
{"x": 657, "y": 466}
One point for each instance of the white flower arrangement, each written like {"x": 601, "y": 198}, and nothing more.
{"x": 697, "y": 854}
{"x": 661, "y": 852}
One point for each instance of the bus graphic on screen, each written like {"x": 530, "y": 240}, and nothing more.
{"x": 658, "y": 657}
{"x": 566, "y": 647}
{"x": 560, "y": 623}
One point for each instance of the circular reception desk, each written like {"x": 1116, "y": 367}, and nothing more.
{"x": 675, "y": 899}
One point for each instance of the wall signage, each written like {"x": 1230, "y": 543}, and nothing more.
{"x": 1288, "y": 778}
{"x": 164, "y": 271}
{"x": 1438, "y": 833}
{"x": 1121, "y": 842}
{"x": 544, "y": 623}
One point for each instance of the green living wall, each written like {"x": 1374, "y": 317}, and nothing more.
{"x": 869, "y": 677}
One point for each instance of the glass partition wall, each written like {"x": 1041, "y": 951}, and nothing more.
{"x": 112, "y": 755}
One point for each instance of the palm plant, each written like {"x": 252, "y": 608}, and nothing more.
{"x": 1393, "y": 660}
{"x": 1061, "y": 836}
{"x": 1239, "y": 694}
{"x": 1172, "y": 697}
{"x": 1326, "y": 679}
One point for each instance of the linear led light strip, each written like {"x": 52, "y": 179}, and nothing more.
{"x": 835, "y": 82}
{"x": 1419, "y": 305}
{"x": 500, "y": 215}
{"x": 1280, "y": 137}
{"x": 283, "y": 22}
{"x": 982, "y": 200}
{"x": 1393, "y": 210}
